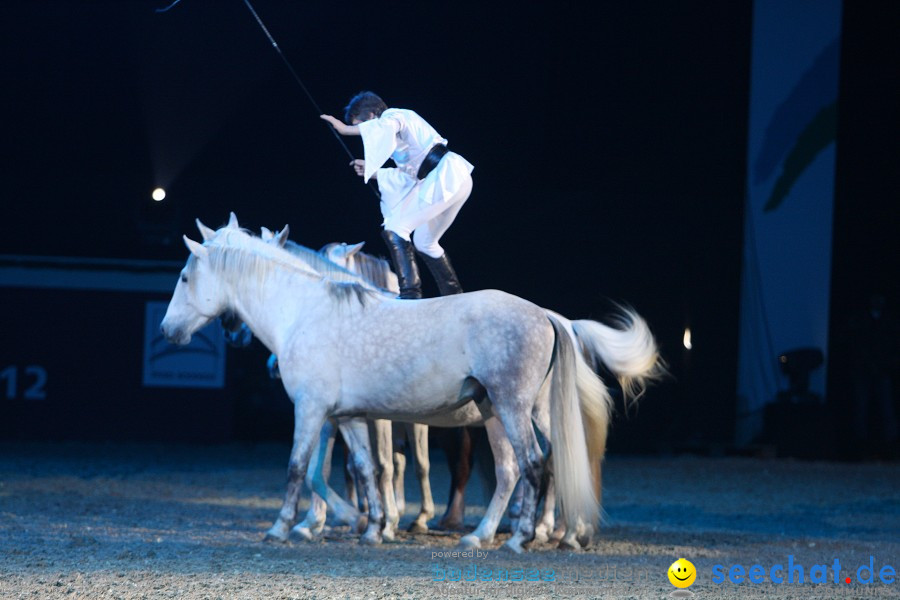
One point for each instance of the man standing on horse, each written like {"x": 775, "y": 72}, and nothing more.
{"x": 420, "y": 197}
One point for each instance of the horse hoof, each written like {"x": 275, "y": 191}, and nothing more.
{"x": 585, "y": 535}
{"x": 558, "y": 533}
{"x": 569, "y": 542}
{"x": 345, "y": 517}
{"x": 370, "y": 539}
{"x": 469, "y": 541}
{"x": 303, "y": 533}
{"x": 451, "y": 524}
{"x": 362, "y": 523}
{"x": 416, "y": 527}
{"x": 540, "y": 536}
{"x": 271, "y": 538}
{"x": 514, "y": 545}
{"x": 277, "y": 533}
{"x": 388, "y": 535}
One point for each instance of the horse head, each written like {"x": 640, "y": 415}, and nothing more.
{"x": 341, "y": 253}
{"x": 375, "y": 270}
{"x": 277, "y": 238}
{"x": 197, "y": 299}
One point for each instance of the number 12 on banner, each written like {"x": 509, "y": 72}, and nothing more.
{"x": 34, "y": 379}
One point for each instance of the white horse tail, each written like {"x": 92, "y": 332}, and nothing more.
{"x": 628, "y": 350}
{"x": 596, "y": 410}
{"x": 571, "y": 464}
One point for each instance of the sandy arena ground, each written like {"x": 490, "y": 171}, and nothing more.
{"x": 109, "y": 521}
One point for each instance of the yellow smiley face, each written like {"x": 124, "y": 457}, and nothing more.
{"x": 682, "y": 573}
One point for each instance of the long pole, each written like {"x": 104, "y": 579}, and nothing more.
{"x": 296, "y": 77}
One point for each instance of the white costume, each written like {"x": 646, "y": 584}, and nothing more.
{"x": 426, "y": 207}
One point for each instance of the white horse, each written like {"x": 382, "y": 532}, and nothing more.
{"x": 628, "y": 350}
{"x": 477, "y": 358}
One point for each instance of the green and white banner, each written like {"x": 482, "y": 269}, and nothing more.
{"x": 786, "y": 278}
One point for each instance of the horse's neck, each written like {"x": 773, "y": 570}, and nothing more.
{"x": 274, "y": 307}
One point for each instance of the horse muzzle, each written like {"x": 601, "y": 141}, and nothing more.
{"x": 174, "y": 335}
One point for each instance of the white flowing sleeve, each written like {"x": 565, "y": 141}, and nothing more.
{"x": 379, "y": 141}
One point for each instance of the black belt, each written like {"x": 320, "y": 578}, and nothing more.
{"x": 432, "y": 159}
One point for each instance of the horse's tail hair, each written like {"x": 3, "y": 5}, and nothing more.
{"x": 596, "y": 409}
{"x": 628, "y": 350}
{"x": 571, "y": 463}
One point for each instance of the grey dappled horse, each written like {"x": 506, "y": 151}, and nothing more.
{"x": 476, "y": 358}
{"x": 627, "y": 349}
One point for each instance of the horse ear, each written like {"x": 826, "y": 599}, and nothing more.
{"x": 266, "y": 234}
{"x": 205, "y": 231}
{"x": 232, "y": 221}
{"x": 282, "y": 236}
{"x": 351, "y": 250}
{"x": 196, "y": 248}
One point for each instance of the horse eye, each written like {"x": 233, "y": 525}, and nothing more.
{"x": 183, "y": 278}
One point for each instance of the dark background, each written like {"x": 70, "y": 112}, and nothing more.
{"x": 608, "y": 138}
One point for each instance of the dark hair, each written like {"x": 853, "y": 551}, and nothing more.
{"x": 362, "y": 104}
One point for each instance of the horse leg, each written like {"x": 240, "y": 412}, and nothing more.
{"x": 398, "y": 433}
{"x": 385, "y": 446}
{"x": 356, "y": 434}
{"x": 541, "y": 418}
{"x": 349, "y": 475}
{"x": 353, "y": 483}
{"x": 459, "y": 459}
{"x": 507, "y": 473}
{"x": 307, "y": 423}
{"x": 423, "y": 468}
{"x": 515, "y": 504}
{"x": 314, "y": 522}
{"x": 531, "y": 465}
{"x": 323, "y": 495}
{"x": 544, "y": 528}
{"x": 583, "y": 534}
{"x": 344, "y": 512}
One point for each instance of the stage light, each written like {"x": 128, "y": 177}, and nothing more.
{"x": 686, "y": 340}
{"x": 159, "y": 194}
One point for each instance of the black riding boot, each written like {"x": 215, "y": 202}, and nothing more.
{"x": 404, "y": 259}
{"x": 443, "y": 273}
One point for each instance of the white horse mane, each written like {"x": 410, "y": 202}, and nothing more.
{"x": 371, "y": 268}
{"x": 236, "y": 253}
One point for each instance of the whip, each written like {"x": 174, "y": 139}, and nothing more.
{"x": 296, "y": 77}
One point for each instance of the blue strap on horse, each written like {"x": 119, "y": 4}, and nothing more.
{"x": 237, "y": 334}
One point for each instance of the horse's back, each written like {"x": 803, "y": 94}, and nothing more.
{"x": 490, "y": 303}
{"x": 479, "y": 315}
{"x": 416, "y": 354}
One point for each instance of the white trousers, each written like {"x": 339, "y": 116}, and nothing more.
{"x": 427, "y": 224}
